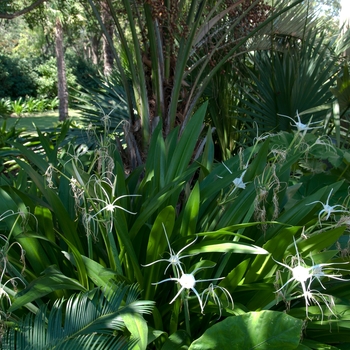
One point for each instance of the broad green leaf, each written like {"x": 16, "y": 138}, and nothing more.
{"x": 99, "y": 275}
{"x": 157, "y": 243}
{"x": 157, "y": 246}
{"x": 33, "y": 157}
{"x": 207, "y": 159}
{"x": 190, "y": 213}
{"x": 211, "y": 246}
{"x": 52, "y": 280}
{"x": 178, "y": 340}
{"x": 263, "y": 266}
{"x": 235, "y": 277}
{"x": 35, "y": 255}
{"x": 55, "y": 204}
{"x": 77, "y": 262}
{"x": 154, "y": 334}
{"x": 155, "y": 203}
{"x": 45, "y": 221}
{"x": 186, "y": 145}
{"x": 222, "y": 232}
{"x": 319, "y": 241}
{"x": 137, "y": 326}
{"x": 155, "y": 162}
{"x": 254, "y": 330}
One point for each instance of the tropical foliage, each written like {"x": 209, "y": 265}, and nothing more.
{"x": 235, "y": 232}
{"x": 174, "y": 232}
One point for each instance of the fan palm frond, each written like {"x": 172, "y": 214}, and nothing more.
{"x": 89, "y": 320}
{"x": 107, "y": 99}
{"x": 284, "y": 82}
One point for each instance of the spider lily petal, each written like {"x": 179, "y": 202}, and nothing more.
{"x": 174, "y": 259}
{"x": 328, "y": 209}
{"x": 300, "y": 126}
{"x": 211, "y": 292}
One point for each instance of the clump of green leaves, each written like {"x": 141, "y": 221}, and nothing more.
{"x": 97, "y": 222}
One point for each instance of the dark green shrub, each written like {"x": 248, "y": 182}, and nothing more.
{"x": 17, "y": 77}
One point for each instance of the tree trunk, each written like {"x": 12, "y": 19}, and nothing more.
{"x": 61, "y": 73}
{"x": 345, "y": 19}
{"x": 95, "y": 40}
{"x": 107, "y": 50}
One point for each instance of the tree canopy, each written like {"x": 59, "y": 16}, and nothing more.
{"x": 13, "y": 9}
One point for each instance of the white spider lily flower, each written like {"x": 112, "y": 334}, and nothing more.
{"x": 238, "y": 181}
{"x": 80, "y": 151}
{"x": 174, "y": 259}
{"x": 188, "y": 281}
{"x": 301, "y": 128}
{"x": 211, "y": 292}
{"x": 317, "y": 272}
{"x": 305, "y": 275}
{"x": 300, "y": 273}
{"x": 329, "y": 209}
{"x": 109, "y": 206}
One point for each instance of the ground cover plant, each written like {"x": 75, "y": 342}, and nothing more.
{"x": 260, "y": 240}
{"x": 21, "y": 105}
{"x": 166, "y": 222}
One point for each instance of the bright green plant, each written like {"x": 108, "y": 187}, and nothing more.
{"x": 51, "y": 104}
{"x": 19, "y": 106}
{"x": 5, "y": 107}
{"x": 27, "y": 105}
{"x": 31, "y": 104}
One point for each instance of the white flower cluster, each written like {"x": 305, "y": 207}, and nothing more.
{"x": 187, "y": 281}
{"x": 305, "y": 275}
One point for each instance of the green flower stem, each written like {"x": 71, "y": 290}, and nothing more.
{"x": 187, "y": 312}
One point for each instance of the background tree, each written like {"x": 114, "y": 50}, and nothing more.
{"x": 61, "y": 72}
{"x": 345, "y": 19}
{"x": 107, "y": 49}
{"x": 13, "y": 9}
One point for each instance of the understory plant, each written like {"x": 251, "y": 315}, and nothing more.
{"x": 257, "y": 242}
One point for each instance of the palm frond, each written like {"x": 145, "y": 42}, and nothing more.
{"x": 108, "y": 99}
{"x": 284, "y": 82}
{"x": 89, "y": 320}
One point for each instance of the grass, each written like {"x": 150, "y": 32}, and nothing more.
{"x": 45, "y": 120}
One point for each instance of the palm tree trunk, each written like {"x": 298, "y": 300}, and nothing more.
{"x": 61, "y": 73}
{"x": 107, "y": 50}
